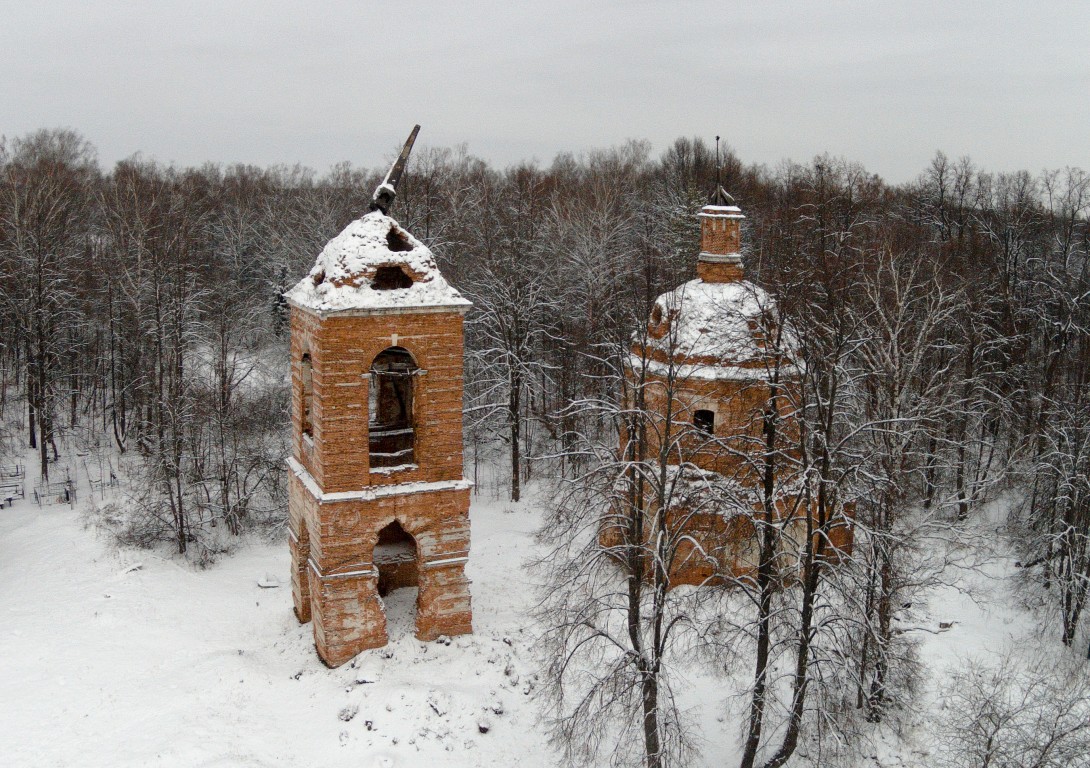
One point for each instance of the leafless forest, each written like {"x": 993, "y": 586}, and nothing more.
{"x": 942, "y": 327}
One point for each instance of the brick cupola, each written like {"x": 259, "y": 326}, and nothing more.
{"x": 713, "y": 357}
{"x": 720, "y": 259}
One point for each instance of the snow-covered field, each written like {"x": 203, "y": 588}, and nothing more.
{"x": 128, "y": 657}
{"x": 123, "y": 658}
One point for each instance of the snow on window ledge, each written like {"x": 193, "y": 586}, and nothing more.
{"x": 391, "y": 470}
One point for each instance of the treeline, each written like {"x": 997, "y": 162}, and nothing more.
{"x": 942, "y": 334}
{"x": 144, "y": 304}
{"x": 943, "y": 327}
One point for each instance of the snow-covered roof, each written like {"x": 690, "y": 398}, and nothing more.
{"x": 715, "y": 323}
{"x": 344, "y": 276}
{"x": 721, "y": 212}
{"x": 713, "y": 372}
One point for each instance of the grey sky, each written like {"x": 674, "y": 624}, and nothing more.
{"x": 282, "y": 82}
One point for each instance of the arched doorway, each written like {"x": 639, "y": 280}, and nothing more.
{"x": 396, "y": 559}
{"x": 390, "y": 424}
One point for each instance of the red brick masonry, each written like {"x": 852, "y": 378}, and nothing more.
{"x": 338, "y": 505}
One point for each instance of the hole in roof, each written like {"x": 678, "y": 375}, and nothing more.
{"x": 319, "y": 278}
{"x": 397, "y": 241}
{"x": 390, "y": 278}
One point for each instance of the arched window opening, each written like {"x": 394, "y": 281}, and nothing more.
{"x": 308, "y": 395}
{"x": 391, "y": 429}
{"x": 704, "y": 420}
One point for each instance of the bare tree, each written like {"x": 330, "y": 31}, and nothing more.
{"x": 905, "y": 388}
{"x": 617, "y": 534}
{"x": 45, "y": 188}
{"x": 1015, "y": 713}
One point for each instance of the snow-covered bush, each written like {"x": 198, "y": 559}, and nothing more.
{"x": 1013, "y": 713}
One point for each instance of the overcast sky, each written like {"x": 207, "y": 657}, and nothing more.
{"x": 884, "y": 83}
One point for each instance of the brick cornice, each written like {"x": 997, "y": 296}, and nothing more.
{"x": 375, "y": 491}
{"x": 430, "y": 309}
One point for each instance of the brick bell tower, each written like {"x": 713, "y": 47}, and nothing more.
{"x": 377, "y": 500}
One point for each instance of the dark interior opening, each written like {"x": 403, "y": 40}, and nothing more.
{"x": 704, "y": 421}
{"x": 397, "y": 241}
{"x": 391, "y": 429}
{"x": 390, "y": 278}
{"x": 395, "y": 558}
{"x": 308, "y": 394}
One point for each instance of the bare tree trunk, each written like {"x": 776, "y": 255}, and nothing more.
{"x": 514, "y": 419}
{"x": 766, "y": 580}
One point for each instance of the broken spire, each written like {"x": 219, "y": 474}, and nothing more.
{"x": 387, "y": 190}
{"x": 719, "y": 196}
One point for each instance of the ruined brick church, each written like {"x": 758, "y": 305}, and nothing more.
{"x": 706, "y": 361}
{"x": 377, "y": 500}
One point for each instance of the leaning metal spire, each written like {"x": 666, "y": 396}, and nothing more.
{"x": 387, "y": 190}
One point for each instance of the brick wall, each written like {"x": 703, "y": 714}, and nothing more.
{"x": 728, "y": 546}
{"x": 739, "y": 412}
{"x": 335, "y": 581}
{"x": 720, "y": 235}
{"x": 719, "y": 272}
{"x": 341, "y": 350}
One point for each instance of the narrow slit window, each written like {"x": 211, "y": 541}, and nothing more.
{"x": 307, "y": 395}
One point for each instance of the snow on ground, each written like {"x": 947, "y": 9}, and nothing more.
{"x": 127, "y": 657}
{"x": 986, "y": 620}
{"x": 119, "y": 658}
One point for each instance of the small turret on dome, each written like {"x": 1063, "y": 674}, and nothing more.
{"x": 714, "y": 326}
{"x": 720, "y": 259}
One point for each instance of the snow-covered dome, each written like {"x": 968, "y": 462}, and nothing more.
{"x": 374, "y": 264}
{"x": 715, "y": 330}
